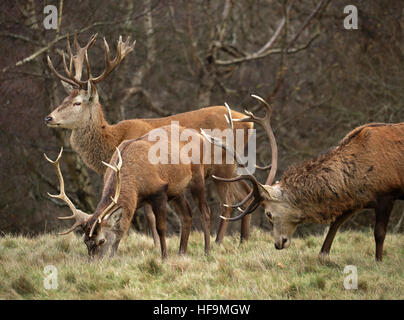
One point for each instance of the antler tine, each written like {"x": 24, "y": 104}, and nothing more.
{"x": 62, "y": 194}
{"x": 228, "y": 116}
{"x": 68, "y": 71}
{"x": 242, "y": 202}
{"x": 127, "y": 47}
{"x": 79, "y": 216}
{"x": 219, "y": 143}
{"x": 251, "y": 207}
{"x": 255, "y": 194}
{"x": 263, "y": 167}
{"x": 107, "y": 52}
{"x": 63, "y": 78}
{"x": 88, "y": 68}
{"x": 119, "y": 165}
{"x": 76, "y": 42}
{"x": 122, "y": 50}
{"x": 89, "y": 44}
{"x": 265, "y": 122}
{"x": 81, "y": 54}
{"x": 114, "y": 200}
{"x": 70, "y": 53}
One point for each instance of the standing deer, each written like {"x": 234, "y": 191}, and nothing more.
{"x": 135, "y": 181}
{"x": 365, "y": 170}
{"x": 95, "y": 140}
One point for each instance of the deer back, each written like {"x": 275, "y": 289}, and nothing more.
{"x": 366, "y": 164}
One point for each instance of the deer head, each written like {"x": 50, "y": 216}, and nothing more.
{"x": 283, "y": 217}
{"x": 101, "y": 231}
{"x": 76, "y": 109}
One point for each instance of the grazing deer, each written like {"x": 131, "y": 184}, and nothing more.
{"x": 365, "y": 170}
{"x": 95, "y": 140}
{"x": 135, "y": 181}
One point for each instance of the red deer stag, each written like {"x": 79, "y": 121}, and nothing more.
{"x": 95, "y": 140}
{"x": 135, "y": 181}
{"x": 365, "y": 170}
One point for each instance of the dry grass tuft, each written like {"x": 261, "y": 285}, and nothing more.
{"x": 23, "y": 286}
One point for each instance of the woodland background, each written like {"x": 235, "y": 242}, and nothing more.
{"x": 323, "y": 81}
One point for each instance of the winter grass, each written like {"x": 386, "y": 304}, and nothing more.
{"x": 254, "y": 270}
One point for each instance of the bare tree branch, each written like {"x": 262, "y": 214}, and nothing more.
{"x": 52, "y": 43}
{"x": 267, "y": 50}
{"x": 17, "y": 36}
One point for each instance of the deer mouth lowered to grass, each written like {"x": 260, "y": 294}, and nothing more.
{"x": 132, "y": 180}
{"x": 366, "y": 170}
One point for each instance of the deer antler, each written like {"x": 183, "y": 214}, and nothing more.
{"x": 257, "y": 186}
{"x": 107, "y": 211}
{"x": 79, "y": 216}
{"x": 122, "y": 50}
{"x": 265, "y": 122}
{"x": 255, "y": 192}
{"x": 76, "y": 60}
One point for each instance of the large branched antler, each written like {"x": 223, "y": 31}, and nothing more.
{"x": 79, "y": 216}
{"x": 258, "y": 188}
{"x": 114, "y": 200}
{"x": 122, "y": 50}
{"x": 77, "y": 60}
{"x": 255, "y": 193}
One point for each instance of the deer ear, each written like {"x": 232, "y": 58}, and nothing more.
{"x": 114, "y": 218}
{"x": 68, "y": 87}
{"x": 92, "y": 93}
{"x": 273, "y": 193}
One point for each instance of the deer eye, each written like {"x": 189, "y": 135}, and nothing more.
{"x": 77, "y": 103}
{"x": 269, "y": 215}
{"x": 101, "y": 242}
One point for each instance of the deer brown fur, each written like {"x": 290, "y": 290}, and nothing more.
{"x": 365, "y": 170}
{"x": 140, "y": 182}
{"x": 349, "y": 176}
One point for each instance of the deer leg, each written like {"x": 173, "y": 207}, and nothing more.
{"x": 239, "y": 191}
{"x": 198, "y": 193}
{"x": 159, "y": 205}
{"x": 185, "y": 214}
{"x": 325, "y": 249}
{"x": 245, "y": 228}
{"x": 151, "y": 220}
{"x": 242, "y": 191}
{"x": 114, "y": 248}
{"x": 223, "y": 191}
{"x": 383, "y": 210}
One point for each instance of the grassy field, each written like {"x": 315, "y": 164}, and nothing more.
{"x": 254, "y": 270}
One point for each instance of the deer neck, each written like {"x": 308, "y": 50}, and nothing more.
{"x": 95, "y": 142}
